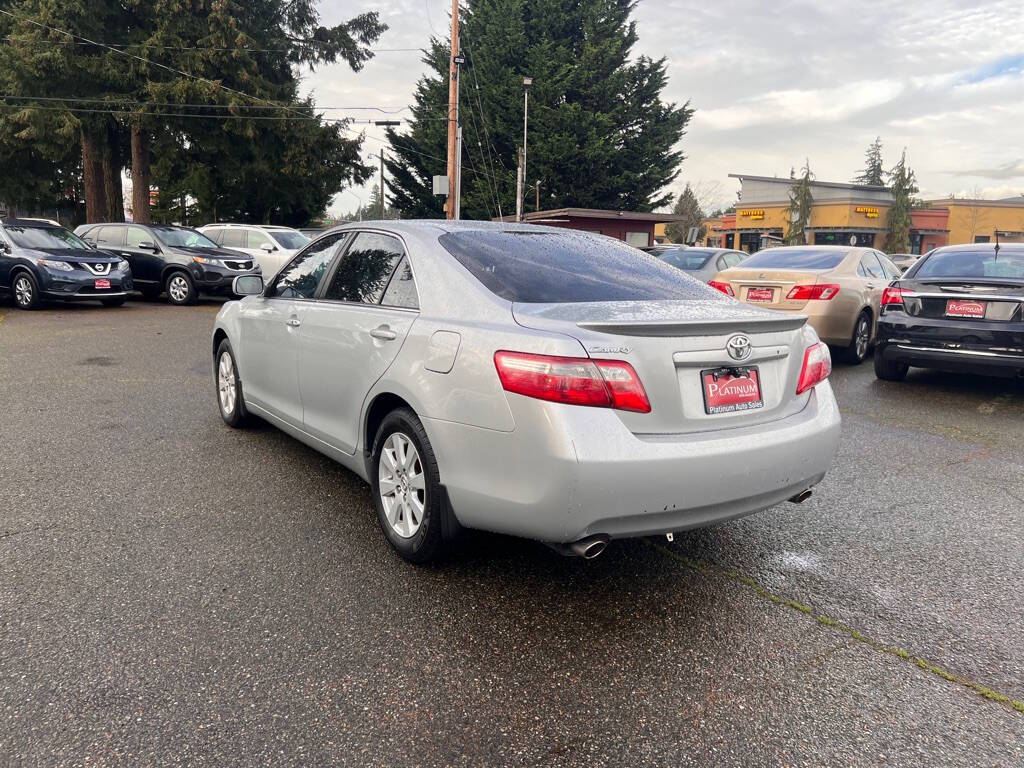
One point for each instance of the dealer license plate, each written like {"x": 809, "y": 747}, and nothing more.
{"x": 766, "y": 295}
{"x": 104, "y": 284}
{"x": 731, "y": 389}
{"x": 965, "y": 308}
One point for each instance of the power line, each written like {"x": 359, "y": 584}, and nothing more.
{"x": 127, "y": 113}
{"x": 143, "y": 60}
{"x": 86, "y": 100}
{"x": 150, "y": 46}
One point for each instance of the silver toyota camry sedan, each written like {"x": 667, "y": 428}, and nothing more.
{"x": 527, "y": 380}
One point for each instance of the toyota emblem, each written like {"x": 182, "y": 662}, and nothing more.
{"x": 738, "y": 347}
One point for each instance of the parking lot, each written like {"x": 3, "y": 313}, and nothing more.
{"x": 176, "y": 592}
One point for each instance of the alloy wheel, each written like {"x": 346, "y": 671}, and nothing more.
{"x": 177, "y": 287}
{"x": 863, "y": 337}
{"x": 226, "y": 384}
{"x": 402, "y": 484}
{"x": 23, "y": 291}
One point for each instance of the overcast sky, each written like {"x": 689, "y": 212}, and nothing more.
{"x": 775, "y": 83}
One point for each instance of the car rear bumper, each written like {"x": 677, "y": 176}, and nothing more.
{"x": 567, "y": 472}
{"x": 960, "y": 346}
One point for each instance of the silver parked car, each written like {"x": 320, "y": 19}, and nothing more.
{"x": 527, "y": 380}
{"x": 699, "y": 263}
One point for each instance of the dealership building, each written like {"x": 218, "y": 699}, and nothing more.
{"x": 855, "y": 214}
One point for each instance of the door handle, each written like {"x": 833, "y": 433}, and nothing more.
{"x": 383, "y": 333}
{"x": 293, "y": 322}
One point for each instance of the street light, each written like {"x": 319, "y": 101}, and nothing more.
{"x": 527, "y": 83}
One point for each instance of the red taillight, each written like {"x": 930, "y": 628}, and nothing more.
{"x": 817, "y": 366}
{"x": 723, "y": 287}
{"x": 572, "y": 380}
{"x": 820, "y": 292}
{"x": 893, "y": 295}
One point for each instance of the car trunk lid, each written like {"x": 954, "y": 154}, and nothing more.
{"x": 672, "y": 343}
{"x": 986, "y": 299}
{"x": 768, "y": 287}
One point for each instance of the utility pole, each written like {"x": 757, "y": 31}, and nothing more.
{"x": 527, "y": 82}
{"x": 385, "y": 124}
{"x": 451, "y": 205}
{"x": 519, "y": 186}
{"x": 536, "y": 190}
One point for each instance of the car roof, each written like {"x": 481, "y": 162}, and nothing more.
{"x": 38, "y": 223}
{"x": 1015, "y": 247}
{"x": 422, "y": 227}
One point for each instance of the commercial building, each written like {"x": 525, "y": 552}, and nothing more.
{"x": 855, "y": 214}
{"x": 632, "y": 227}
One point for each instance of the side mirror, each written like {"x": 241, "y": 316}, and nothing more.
{"x": 268, "y": 248}
{"x": 147, "y": 245}
{"x": 247, "y": 285}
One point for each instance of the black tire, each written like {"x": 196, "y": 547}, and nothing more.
{"x": 428, "y": 542}
{"x": 860, "y": 342}
{"x": 236, "y": 415}
{"x": 25, "y": 290}
{"x": 180, "y": 288}
{"x": 889, "y": 370}
{"x": 118, "y": 302}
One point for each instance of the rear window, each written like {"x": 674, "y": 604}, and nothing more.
{"x": 685, "y": 258}
{"x": 986, "y": 263}
{"x": 795, "y": 258}
{"x": 569, "y": 267}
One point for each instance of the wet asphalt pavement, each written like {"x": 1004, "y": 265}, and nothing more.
{"x": 176, "y": 592}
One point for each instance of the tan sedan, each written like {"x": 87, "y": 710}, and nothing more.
{"x": 838, "y": 288}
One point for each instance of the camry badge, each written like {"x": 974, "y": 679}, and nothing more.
{"x": 738, "y": 347}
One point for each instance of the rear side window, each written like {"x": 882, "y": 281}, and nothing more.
{"x": 549, "y": 267}
{"x": 871, "y": 266}
{"x": 233, "y": 238}
{"x": 363, "y": 272}
{"x": 981, "y": 263}
{"x": 795, "y": 258}
{"x": 401, "y": 290}
{"x": 734, "y": 258}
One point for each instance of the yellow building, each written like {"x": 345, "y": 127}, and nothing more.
{"x": 855, "y": 214}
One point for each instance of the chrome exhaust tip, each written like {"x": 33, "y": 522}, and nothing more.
{"x": 588, "y": 547}
{"x": 801, "y": 497}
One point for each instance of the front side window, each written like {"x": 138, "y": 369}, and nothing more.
{"x": 214, "y": 234}
{"x": 137, "y": 236}
{"x": 364, "y": 271}
{"x": 300, "y": 278}
{"x": 182, "y": 237}
{"x": 289, "y": 239}
{"x": 401, "y": 290}
{"x": 44, "y": 237}
{"x": 565, "y": 267}
{"x": 258, "y": 239}
{"x": 109, "y": 237}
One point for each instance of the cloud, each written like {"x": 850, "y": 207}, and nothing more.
{"x": 776, "y": 83}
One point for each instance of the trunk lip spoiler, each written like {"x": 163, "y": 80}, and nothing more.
{"x": 700, "y": 327}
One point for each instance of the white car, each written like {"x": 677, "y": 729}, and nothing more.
{"x": 540, "y": 382}
{"x": 270, "y": 246}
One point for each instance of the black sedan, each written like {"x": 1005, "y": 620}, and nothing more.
{"x": 40, "y": 260}
{"x": 960, "y": 309}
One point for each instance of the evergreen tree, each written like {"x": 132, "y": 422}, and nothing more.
{"x": 873, "y": 173}
{"x": 903, "y": 185}
{"x": 600, "y": 136}
{"x": 687, "y": 205}
{"x": 800, "y": 203}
